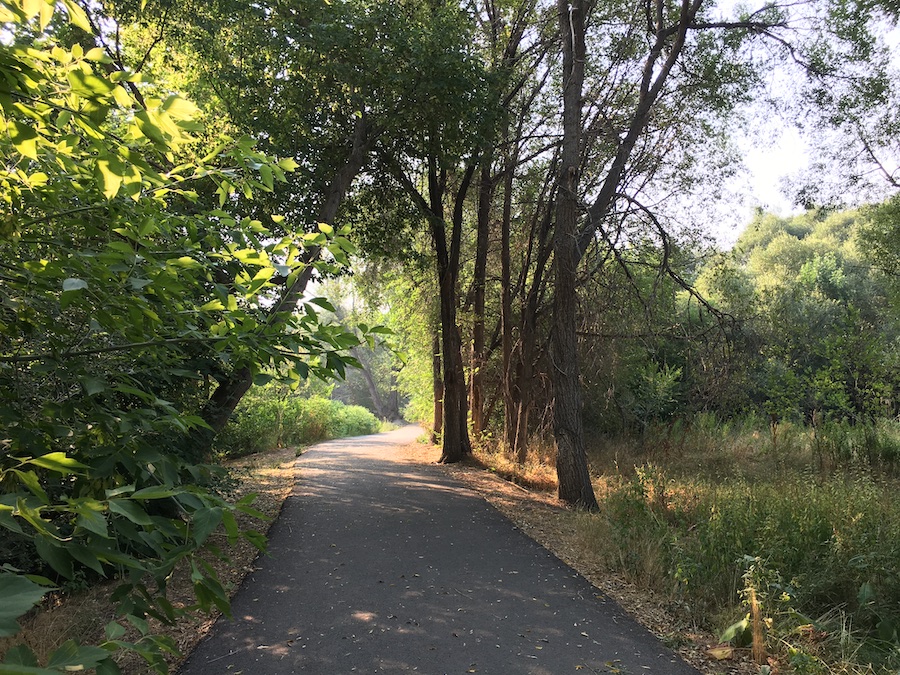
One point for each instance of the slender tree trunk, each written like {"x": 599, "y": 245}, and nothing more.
{"x": 437, "y": 426}
{"x": 524, "y": 388}
{"x": 476, "y": 389}
{"x": 507, "y": 321}
{"x": 571, "y": 461}
{"x": 229, "y": 392}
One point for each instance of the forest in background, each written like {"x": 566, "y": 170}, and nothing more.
{"x": 499, "y": 206}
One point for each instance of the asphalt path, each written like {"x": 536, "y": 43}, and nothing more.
{"x": 380, "y": 565}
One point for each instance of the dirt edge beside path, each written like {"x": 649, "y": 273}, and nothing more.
{"x": 542, "y": 517}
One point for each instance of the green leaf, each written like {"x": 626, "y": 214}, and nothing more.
{"x": 141, "y": 624}
{"x": 739, "y": 633}
{"x": 156, "y": 492}
{"x": 186, "y": 262}
{"x": 21, "y": 655}
{"x": 111, "y": 173}
{"x": 58, "y": 462}
{"x": 46, "y": 13}
{"x": 114, "y": 630}
{"x": 179, "y": 108}
{"x": 73, "y": 284}
{"x": 93, "y": 386}
{"x": 89, "y": 84}
{"x": 30, "y": 480}
{"x": 91, "y": 516}
{"x": 7, "y": 520}
{"x": 77, "y": 16}
{"x": 55, "y": 556}
{"x": 24, "y": 138}
{"x": 324, "y": 304}
{"x": 86, "y": 557}
{"x": 261, "y": 379}
{"x": 231, "y": 526}
{"x": 19, "y": 595}
{"x": 29, "y": 8}
{"x": 131, "y": 510}
{"x": 108, "y": 667}
{"x": 149, "y": 129}
{"x": 70, "y": 656}
{"x": 97, "y": 54}
{"x": 204, "y": 522}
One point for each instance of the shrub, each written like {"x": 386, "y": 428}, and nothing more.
{"x": 271, "y": 417}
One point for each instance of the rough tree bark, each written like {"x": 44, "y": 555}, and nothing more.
{"x": 571, "y": 461}
{"x": 479, "y": 284}
{"x": 456, "y": 444}
{"x": 570, "y": 241}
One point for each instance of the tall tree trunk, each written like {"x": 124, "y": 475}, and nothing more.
{"x": 571, "y": 461}
{"x": 456, "y": 444}
{"x": 476, "y": 389}
{"x": 506, "y": 316}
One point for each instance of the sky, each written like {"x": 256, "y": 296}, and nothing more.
{"x": 761, "y": 184}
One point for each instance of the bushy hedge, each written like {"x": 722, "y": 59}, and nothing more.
{"x": 270, "y": 418}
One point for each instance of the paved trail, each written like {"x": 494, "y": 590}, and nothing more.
{"x": 378, "y": 565}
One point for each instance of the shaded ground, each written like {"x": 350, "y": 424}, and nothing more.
{"x": 378, "y": 565}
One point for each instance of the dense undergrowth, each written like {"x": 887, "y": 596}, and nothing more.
{"x": 272, "y": 417}
{"x": 804, "y": 520}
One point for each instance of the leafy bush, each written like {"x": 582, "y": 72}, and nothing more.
{"x": 271, "y": 417}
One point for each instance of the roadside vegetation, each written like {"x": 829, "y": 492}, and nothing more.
{"x": 504, "y": 203}
{"x": 797, "y": 544}
{"x": 275, "y": 417}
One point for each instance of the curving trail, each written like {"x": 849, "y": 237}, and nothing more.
{"x": 378, "y": 565}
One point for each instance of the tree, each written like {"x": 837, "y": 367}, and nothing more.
{"x": 123, "y": 295}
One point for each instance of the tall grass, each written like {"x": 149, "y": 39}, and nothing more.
{"x": 804, "y": 520}
{"x": 269, "y": 418}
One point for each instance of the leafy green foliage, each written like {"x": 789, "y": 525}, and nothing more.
{"x": 806, "y": 329}
{"x": 130, "y": 282}
{"x": 274, "y": 416}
